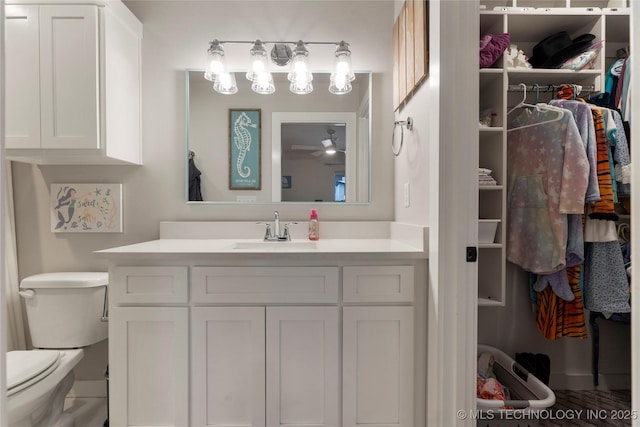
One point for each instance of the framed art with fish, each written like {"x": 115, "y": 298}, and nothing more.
{"x": 244, "y": 149}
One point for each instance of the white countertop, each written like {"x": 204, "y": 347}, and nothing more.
{"x": 218, "y": 238}
{"x": 256, "y": 246}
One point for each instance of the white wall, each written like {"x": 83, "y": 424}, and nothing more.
{"x": 176, "y": 36}
{"x": 411, "y": 164}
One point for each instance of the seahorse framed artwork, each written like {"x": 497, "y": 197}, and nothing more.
{"x": 86, "y": 208}
{"x": 244, "y": 149}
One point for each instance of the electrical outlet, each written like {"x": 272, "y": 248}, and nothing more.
{"x": 407, "y": 195}
{"x": 246, "y": 199}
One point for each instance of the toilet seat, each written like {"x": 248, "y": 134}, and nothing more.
{"x": 25, "y": 368}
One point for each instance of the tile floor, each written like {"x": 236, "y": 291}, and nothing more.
{"x": 600, "y": 408}
{"x": 604, "y": 406}
{"x": 88, "y": 412}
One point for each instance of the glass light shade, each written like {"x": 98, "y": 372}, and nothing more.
{"x": 301, "y": 87}
{"x": 215, "y": 61}
{"x": 225, "y": 84}
{"x": 300, "y": 76}
{"x": 330, "y": 150}
{"x": 263, "y": 84}
{"x": 258, "y": 60}
{"x": 339, "y": 84}
{"x": 343, "y": 62}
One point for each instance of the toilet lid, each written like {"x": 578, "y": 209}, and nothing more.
{"x": 27, "y": 367}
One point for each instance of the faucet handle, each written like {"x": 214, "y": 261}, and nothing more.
{"x": 286, "y": 234}
{"x": 267, "y": 234}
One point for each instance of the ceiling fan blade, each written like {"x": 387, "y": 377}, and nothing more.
{"x": 303, "y": 147}
{"x": 318, "y": 153}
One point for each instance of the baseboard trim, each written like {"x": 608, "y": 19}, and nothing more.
{"x": 562, "y": 381}
{"x": 88, "y": 388}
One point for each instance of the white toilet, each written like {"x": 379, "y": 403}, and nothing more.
{"x": 64, "y": 311}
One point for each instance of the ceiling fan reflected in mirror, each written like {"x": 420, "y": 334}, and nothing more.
{"x": 328, "y": 145}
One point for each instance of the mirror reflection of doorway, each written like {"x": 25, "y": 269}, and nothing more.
{"x": 313, "y": 149}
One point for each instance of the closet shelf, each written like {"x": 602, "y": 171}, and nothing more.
{"x": 488, "y": 302}
{"x": 491, "y": 70}
{"x": 489, "y": 245}
{"x": 496, "y": 129}
{"x": 490, "y": 187}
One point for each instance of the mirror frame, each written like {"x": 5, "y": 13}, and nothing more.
{"x": 364, "y": 191}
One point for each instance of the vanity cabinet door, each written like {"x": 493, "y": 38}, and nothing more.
{"x": 227, "y": 365}
{"x": 302, "y": 366}
{"x": 149, "y": 366}
{"x": 377, "y": 366}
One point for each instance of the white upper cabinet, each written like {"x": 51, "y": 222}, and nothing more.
{"x": 73, "y": 83}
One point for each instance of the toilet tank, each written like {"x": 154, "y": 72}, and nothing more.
{"x": 64, "y": 310}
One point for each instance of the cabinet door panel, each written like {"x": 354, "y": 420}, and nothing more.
{"x": 149, "y": 284}
{"x": 69, "y": 76}
{"x": 228, "y": 367}
{"x": 302, "y": 366}
{"x": 393, "y": 283}
{"x": 22, "y": 81}
{"x": 378, "y": 366}
{"x": 148, "y": 351}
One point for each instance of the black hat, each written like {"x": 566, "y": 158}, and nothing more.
{"x": 557, "y": 48}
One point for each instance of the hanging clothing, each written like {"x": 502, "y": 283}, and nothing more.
{"x": 606, "y": 288}
{"x": 559, "y": 281}
{"x": 557, "y": 318}
{"x": 604, "y": 208}
{"x": 195, "y": 193}
{"x": 584, "y": 120}
{"x": 547, "y": 179}
{"x": 621, "y": 157}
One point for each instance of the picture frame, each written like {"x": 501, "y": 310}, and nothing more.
{"x": 245, "y": 130}
{"x": 86, "y": 208}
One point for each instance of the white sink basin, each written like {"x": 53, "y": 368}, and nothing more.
{"x": 271, "y": 245}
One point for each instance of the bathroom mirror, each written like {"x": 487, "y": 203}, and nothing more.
{"x": 290, "y": 141}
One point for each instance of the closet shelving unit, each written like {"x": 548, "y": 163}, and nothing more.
{"x": 528, "y": 22}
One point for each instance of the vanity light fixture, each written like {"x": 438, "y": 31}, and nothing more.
{"x": 343, "y": 74}
{"x": 259, "y": 75}
{"x": 223, "y": 81}
{"x": 300, "y": 74}
{"x": 215, "y": 61}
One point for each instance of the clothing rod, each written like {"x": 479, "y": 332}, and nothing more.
{"x": 547, "y": 88}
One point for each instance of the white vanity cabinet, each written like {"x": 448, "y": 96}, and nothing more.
{"x": 73, "y": 83}
{"x": 277, "y": 365}
{"x": 262, "y": 345}
{"x": 256, "y": 364}
{"x": 148, "y": 346}
{"x": 377, "y": 346}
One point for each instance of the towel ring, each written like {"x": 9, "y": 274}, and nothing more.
{"x": 402, "y": 123}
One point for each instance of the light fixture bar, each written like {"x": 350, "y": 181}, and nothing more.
{"x": 273, "y": 42}
{"x": 282, "y": 55}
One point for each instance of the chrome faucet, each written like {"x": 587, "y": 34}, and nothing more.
{"x": 276, "y": 223}
{"x": 276, "y": 236}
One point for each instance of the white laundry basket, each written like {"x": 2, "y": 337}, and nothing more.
{"x": 528, "y": 394}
